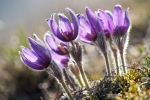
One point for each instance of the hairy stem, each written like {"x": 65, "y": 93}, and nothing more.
{"x": 68, "y": 79}
{"x": 84, "y": 76}
{"x": 79, "y": 80}
{"x": 66, "y": 89}
{"x": 116, "y": 62}
{"x": 123, "y": 62}
{"x": 107, "y": 64}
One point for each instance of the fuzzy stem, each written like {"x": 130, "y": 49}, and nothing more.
{"x": 79, "y": 80}
{"x": 107, "y": 64}
{"x": 84, "y": 76}
{"x": 66, "y": 89}
{"x": 123, "y": 62}
{"x": 68, "y": 79}
{"x": 116, "y": 62}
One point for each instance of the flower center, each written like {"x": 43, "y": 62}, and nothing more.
{"x": 61, "y": 48}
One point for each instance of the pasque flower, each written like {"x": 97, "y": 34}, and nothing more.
{"x": 66, "y": 31}
{"x": 38, "y": 57}
{"x": 88, "y": 28}
{"x": 122, "y": 25}
{"x": 107, "y": 26}
{"x": 103, "y": 46}
{"x": 33, "y": 57}
{"x": 117, "y": 24}
{"x": 55, "y": 44}
{"x": 120, "y": 36}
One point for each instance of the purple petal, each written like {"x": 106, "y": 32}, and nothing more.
{"x": 85, "y": 36}
{"x": 31, "y": 55}
{"x": 54, "y": 27}
{"x": 40, "y": 50}
{"x": 28, "y": 54}
{"x": 107, "y": 21}
{"x": 32, "y": 64}
{"x": 60, "y": 60}
{"x": 93, "y": 20}
{"x": 118, "y": 16}
{"x": 101, "y": 23}
{"x": 54, "y": 43}
{"x": 74, "y": 22}
{"x": 127, "y": 18}
{"x": 85, "y": 23}
{"x": 64, "y": 23}
{"x": 109, "y": 13}
{"x": 37, "y": 39}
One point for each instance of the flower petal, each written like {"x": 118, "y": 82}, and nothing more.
{"x": 53, "y": 42}
{"x": 37, "y": 39}
{"x": 64, "y": 23}
{"x": 101, "y": 23}
{"x": 85, "y": 23}
{"x": 85, "y": 36}
{"x": 74, "y": 22}
{"x": 60, "y": 60}
{"x": 109, "y": 13}
{"x": 93, "y": 20}
{"x": 127, "y": 18}
{"x": 54, "y": 27}
{"x": 28, "y": 53}
{"x": 118, "y": 16}
{"x": 32, "y": 64}
{"x": 31, "y": 55}
{"x": 40, "y": 50}
{"x": 107, "y": 21}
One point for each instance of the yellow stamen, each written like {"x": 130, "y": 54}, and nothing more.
{"x": 61, "y": 48}
{"x": 64, "y": 35}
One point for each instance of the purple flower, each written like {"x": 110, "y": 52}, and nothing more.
{"x": 38, "y": 57}
{"x": 122, "y": 25}
{"x": 116, "y": 24}
{"x": 66, "y": 31}
{"x": 121, "y": 19}
{"x": 88, "y": 28}
{"x": 60, "y": 60}
{"x": 56, "y": 45}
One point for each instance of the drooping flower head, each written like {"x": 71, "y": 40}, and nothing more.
{"x": 55, "y": 44}
{"x": 38, "y": 56}
{"x": 122, "y": 25}
{"x": 66, "y": 31}
{"x": 88, "y": 28}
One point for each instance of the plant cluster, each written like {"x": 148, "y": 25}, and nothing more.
{"x": 62, "y": 52}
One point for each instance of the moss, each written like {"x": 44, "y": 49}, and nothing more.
{"x": 118, "y": 87}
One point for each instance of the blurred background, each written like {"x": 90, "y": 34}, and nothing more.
{"x": 19, "y": 19}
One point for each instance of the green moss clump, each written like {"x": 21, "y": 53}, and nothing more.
{"x": 118, "y": 87}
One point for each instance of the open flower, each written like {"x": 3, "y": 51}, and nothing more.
{"x": 55, "y": 44}
{"x": 88, "y": 28}
{"x": 38, "y": 57}
{"x": 66, "y": 31}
